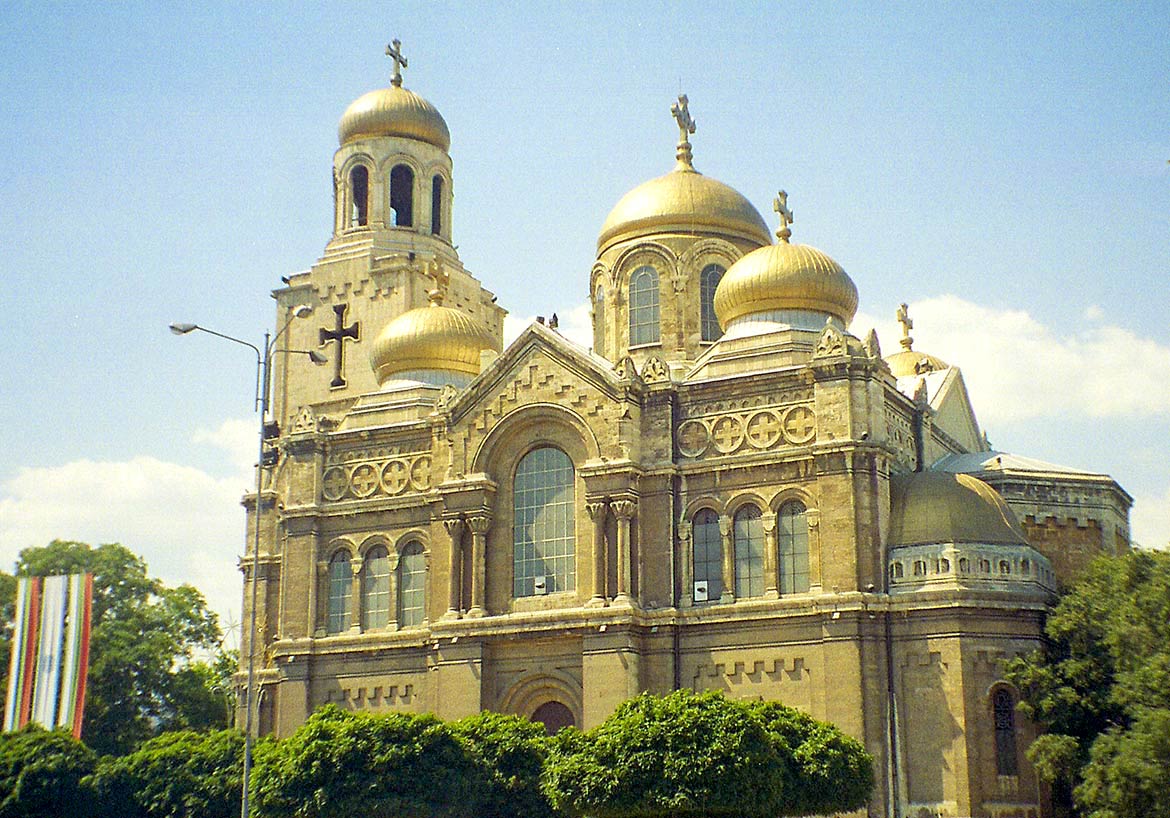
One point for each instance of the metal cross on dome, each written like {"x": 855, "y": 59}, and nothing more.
{"x": 394, "y": 52}
{"x": 780, "y": 205}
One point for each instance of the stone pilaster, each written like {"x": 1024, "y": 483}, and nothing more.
{"x": 479, "y": 524}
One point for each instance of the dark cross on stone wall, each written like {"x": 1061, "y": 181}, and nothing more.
{"x": 339, "y": 334}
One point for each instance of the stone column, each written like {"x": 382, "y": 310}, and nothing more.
{"x": 392, "y": 618}
{"x": 728, "y": 559}
{"x": 355, "y": 595}
{"x": 597, "y": 513}
{"x": 624, "y": 511}
{"x": 771, "y": 557}
{"x": 319, "y": 608}
{"x": 479, "y": 524}
{"x": 686, "y": 562}
{"x": 455, "y": 568}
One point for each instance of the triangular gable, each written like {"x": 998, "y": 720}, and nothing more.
{"x": 953, "y": 413}
{"x": 537, "y": 340}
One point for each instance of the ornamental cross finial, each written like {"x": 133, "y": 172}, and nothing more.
{"x": 394, "y": 52}
{"x": 780, "y": 205}
{"x": 907, "y": 325}
{"x": 686, "y": 126}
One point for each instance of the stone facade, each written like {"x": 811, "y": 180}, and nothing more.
{"x": 392, "y": 565}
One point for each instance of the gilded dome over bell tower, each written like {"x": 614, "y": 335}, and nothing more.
{"x": 660, "y": 254}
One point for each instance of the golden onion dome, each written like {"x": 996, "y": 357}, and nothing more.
{"x": 683, "y": 200}
{"x": 785, "y": 276}
{"x": 394, "y": 111}
{"x": 908, "y": 361}
{"x": 431, "y": 338}
{"x": 941, "y": 507}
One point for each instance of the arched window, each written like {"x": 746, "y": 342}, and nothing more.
{"x": 707, "y": 545}
{"x": 402, "y": 195}
{"x": 708, "y": 322}
{"x": 749, "y": 552}
{"x": 792, "y": 540}
{"x": 437, "y": 204}
{"x": 412, "y": 586}
{"x": 340, "y": 593}
{"x": 376, "y": 589}
{"x": 359, "y": 196}
{"x": 1004, "y": 709}
{"x": 599, "y": 320}
{"x": 644, "y": 306}
{"x": 543, "y": 524}
{"x": 896, "y": 570}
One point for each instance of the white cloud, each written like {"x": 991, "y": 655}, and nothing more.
{"x": 187, "y": 524}
{"x": 1150, "y": 520}
{"x": 576, "y": 324}
{"x": 1018, "y": 368}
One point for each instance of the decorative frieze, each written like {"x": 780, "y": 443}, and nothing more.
{"x": 757, "y": 430}
{"x": 383, "y": 477}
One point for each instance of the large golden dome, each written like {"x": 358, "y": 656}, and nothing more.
{"x": 911, "y": 362}
{"x": 431, "y": 338}
{"x": 683, "y": 200}
{"x": 931, "y": 507}
{"x": 394, "y": 111}
{"x": 785, "y": 276}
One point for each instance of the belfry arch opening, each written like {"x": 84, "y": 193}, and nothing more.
{"x": 437, "y": 205}
{"x": 359, "y": 196}
{"x": 402, "y": 195}
{"x": 554, "y": 716}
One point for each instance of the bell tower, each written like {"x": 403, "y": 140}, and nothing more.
{"x": 392, "y": 222}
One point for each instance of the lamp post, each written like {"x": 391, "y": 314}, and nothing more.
{"x": 263, "y": 387}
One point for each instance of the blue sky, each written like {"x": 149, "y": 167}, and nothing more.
{"x": 1003, "y": 168}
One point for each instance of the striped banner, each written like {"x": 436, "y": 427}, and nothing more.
{"x": 50, "y": 652}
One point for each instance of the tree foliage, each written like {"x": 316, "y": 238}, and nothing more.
{"x": 43, "y": 772}
{"x": 341, "y": 763}
{"x": 510, "y": 752}
{"x": 698, "y": 755}
{"x": 144, "y": 634}
{"x": 1101, "y": 688}
{"x": 174, "y": 775}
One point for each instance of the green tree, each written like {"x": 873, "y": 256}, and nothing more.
{"x": 143, "y": 638}
{"x": 341, "y": 763}
{"x": 510, "y": 751}
{"x": 1101, "y": 688}
{"x": 689, "y": 755}
{"x": 174, "y": 775}
{"x": 43, "y": 772}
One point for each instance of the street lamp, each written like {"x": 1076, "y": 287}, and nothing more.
{"x": 263, "y": 388}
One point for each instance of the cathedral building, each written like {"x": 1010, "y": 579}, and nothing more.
{"x": 732, "y": 489}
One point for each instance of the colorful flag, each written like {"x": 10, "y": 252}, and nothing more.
{"x": 50, "y": 652}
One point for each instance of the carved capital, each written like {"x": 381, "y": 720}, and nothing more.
{"x": 684, "y": 531}
{"x": 725, "y": 525}
{"x": 624, "y": 509}
{"x": 322, "y": 568}
{"x": 597, "y": 511}
{"x": 454, "y": 527}
{"x": 769, "y": 522}
{"x": 479, "y": 523}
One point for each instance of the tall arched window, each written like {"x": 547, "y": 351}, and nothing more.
{"x": 402, "y": 195}
{"x": 376, "y": 589}
{"x": 340, "y": 593}
{"x": 437, "y": 204}
{"x": 792, "y": 540}
{"x": 543, "y": 524}
{"x": 749, "y": 552}
{"x": 599, "y": 320}
{"x": 708, "y": 322}
{"x": 412, "y": 586}
{"x": 707, "y": 544}
{"x": 359, "y": 196}
{"x": 1006, "y": 762}
{"x": 644, "y": 306}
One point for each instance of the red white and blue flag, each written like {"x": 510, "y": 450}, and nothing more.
{"x": 50, "y": 652}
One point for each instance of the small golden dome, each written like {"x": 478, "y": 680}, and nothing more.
{"x": 910, "y": 362}
{"x": 431, "y": 338}
{"x": 941, "y": 507}
{"x": 785, "y": 276}
{"x": 393, "y": 111}
{"x": 683, "y": 200}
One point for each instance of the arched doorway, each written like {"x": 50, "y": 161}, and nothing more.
{"x": 554, "y": 716}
